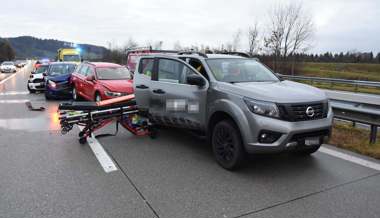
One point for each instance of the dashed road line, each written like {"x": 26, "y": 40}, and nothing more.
{"x": 14, "y": 93}
{"x": 350, "y": 158}
{"x": 9, "y": 77}
{"x": 104, "y": 159}
{"x": 14, "y": 101}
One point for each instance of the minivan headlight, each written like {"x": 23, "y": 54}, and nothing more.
{"x": 52, "y": 84}
{"x": 264, "y": 108}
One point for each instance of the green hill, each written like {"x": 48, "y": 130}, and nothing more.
{"x": 31, "y": 47}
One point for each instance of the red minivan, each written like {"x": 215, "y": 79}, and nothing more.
{"x": 97, "y": 81}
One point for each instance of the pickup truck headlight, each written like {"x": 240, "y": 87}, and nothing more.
{"x": 263, "y": 108}
{"x": 112, "y": 94}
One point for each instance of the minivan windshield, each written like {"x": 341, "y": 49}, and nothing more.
{"x": 113, "y": 73}
{"x": 61, "y": 69}
{"x": 239, "y": 70}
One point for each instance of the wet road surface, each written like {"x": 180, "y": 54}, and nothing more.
{"x": 44, "y": 174}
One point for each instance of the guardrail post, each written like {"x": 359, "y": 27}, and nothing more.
{"x": 373, "y": 135}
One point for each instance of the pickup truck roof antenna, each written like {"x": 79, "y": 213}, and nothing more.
{"x": 193, "y": 52}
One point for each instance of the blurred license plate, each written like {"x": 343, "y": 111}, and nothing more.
{"x": 312, "y": 141}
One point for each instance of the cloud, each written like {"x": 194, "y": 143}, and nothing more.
{"x": 341, "y": 25}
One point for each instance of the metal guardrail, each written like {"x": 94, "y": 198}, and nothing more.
{"x": 358, "y": 113}
{"x": 333, "y": 80}
{"x": 365, "y": 111}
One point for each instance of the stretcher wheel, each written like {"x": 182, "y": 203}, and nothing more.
{"x": 153, "y": 133}
{"x": 81, "y": 134}
{"x": 82, "y": 140}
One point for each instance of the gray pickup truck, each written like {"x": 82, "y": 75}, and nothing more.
{"x": 238, "y": 103}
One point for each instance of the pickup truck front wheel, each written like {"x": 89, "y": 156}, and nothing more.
{"x": 227, "y": 145}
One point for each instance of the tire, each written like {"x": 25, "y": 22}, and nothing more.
{"x": 227, "y": 145}
{"x": 82, "y": 140}
{"x": 47, "y": 96}
{"x": 97, "y": 97}
{"x": 307, "y": 151}
{"x": 75, "y": 96}
{"x": 30, "y": 90}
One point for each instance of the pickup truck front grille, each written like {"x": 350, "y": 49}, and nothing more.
{"x": 304, "y": 111}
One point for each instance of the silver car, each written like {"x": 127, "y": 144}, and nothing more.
{"x": 8, "y": 67}
{"x": 238, "y": 103}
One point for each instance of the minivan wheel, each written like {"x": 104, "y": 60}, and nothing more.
{"x": 307, "y": 151}
{"x": 227, "y": 145}
{"x": 47, "y": 96}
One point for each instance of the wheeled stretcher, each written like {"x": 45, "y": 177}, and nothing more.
{"x": 93, "y": 116}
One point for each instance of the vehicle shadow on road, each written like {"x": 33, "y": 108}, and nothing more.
{"x": 256, "y": 164}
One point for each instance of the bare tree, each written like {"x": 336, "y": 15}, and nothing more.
{"x": 158, "y": 45}
{"x": 177, "y": 46}
{"x": 253, "y": 33}
{"x": 290, "y": 31}
{"x": 236, "y": 40}
{"x": 131, "y": 43}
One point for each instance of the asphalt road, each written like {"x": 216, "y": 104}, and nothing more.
{"x": 45, "y": 174}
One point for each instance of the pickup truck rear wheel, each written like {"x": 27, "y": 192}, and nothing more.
{"x": 227, "y": 145}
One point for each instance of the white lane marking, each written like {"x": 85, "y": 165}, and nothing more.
{"x": 9, "y": 77}
{"x": 14, "y": 101}
{"x": 14, "y": 93}
{"x": 104, "y": 159}
{"x": 350, "y": 158}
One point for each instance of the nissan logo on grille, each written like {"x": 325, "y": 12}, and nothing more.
{"x": 310, "y": 112}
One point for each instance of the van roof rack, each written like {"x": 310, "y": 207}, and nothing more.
{"x": 193, "y": 52}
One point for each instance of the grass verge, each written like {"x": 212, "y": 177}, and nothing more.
{"x": 355, "y": 139}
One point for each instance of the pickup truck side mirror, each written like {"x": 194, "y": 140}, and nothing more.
{"x": 195, "y": 79}
{"x": 90, "y": 78}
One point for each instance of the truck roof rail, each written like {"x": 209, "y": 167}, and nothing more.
{"x": 148, "y": 49}
{"x": 242, "y": 54}
{"x": 193, "y": 52}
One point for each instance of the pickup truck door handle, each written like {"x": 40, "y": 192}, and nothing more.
{"x": 159, "y": 91}
{"x": 142, "y": 87}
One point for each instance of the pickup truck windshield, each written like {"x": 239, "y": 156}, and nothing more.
{"x": 236, "y": 70}
{"x": 75, "y": 58}
{"x": 107, "y": 73}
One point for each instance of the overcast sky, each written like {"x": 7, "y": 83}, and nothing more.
{"x": 341, "y": 25}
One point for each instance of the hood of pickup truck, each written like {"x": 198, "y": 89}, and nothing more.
{"x": 279, "y": 92}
